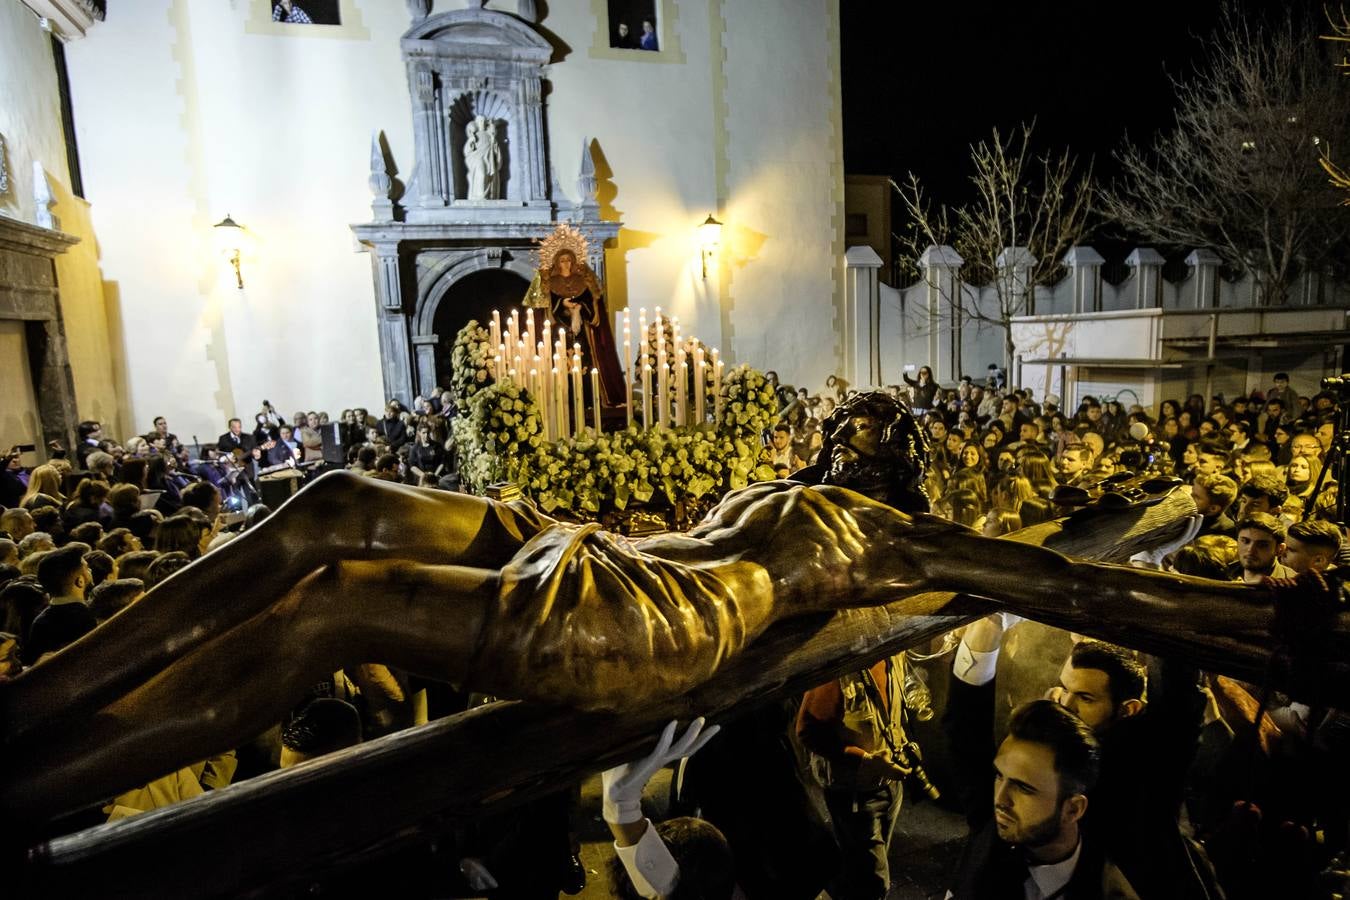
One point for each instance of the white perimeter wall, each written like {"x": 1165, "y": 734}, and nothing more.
{"x": 183, "y": 114}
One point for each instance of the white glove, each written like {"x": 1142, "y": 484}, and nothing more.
{"x": 477, "y": 874}
{"x": 1154, "y": 558}
{"x": 623, "y": 785}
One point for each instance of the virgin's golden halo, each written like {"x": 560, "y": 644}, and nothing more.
{"x": 564, "y": 237}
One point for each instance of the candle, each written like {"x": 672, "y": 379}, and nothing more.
{"x": 559, "y": 404}
{"x": 513, "y": 328}
{"x": 495, "y": 329}
{"x": 545, "y": 408}
{"x": 646, "y": 397}
{"x": 660, "y": 332}
{"x": 529, "y": 328}
{"x": 547, "y": 338}
{"x": 518, "y": 367}
{"x": 661, "y": 405}
{"x": 578, "y": 400}
{"x": 717, "y": 390}
{"x": 595, "y": 399}
{"x": 663, "y": 392}
{"x": 628, "y": 366}
{"x": 681, "y": 402}
{"x": 700, "y": 379}
{"x": 642, "y": 330}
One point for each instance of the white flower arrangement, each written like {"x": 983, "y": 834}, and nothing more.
{"x": 683, "y": 469}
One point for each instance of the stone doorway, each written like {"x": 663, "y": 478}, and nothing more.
{"x": 474, "y": 296}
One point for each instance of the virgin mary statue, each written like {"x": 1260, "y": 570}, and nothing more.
{"x": 569, "y": 290}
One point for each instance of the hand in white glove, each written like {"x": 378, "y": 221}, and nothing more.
{"x": 623, "y": 785}
{"x": 1154, "y": 558}
{"x": 477, "y": 874}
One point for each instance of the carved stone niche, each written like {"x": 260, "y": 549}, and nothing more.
{"x": 29, "y": 294}
{"x": 468, "y": 63}
{"x": 438, "y": 258}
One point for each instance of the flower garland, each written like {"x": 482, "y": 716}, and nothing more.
{"x": 683, "y": 470}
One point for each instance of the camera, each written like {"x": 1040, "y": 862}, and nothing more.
{"x": 911, "y": 757}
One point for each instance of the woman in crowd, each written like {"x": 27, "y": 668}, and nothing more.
{"x": 1036, "y": 469}
{"x": 961, "y": 506}
{"x": 119, "y": 541}
{"x": 183, "y": 534}
{"x": 125, "y": 501}
{"x": 1281, "y": 447}
{"x": 426, "y": 459}
{"x": 45, "y": 479}
{"x": 972, "y": 457}
{"x": 1186, "y": 420}
{"x": 88, "y": 504}
{"x": 1300, "y": 476}
{"x": 994, "y": 436}
{"x": 134, "y": 472}
{"x": 1000, "y": 522}
{"x": 1010, "y": 492}
{"x": 925, "y": 389}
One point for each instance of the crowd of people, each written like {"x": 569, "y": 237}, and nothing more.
{"x": 1097, "y": 791}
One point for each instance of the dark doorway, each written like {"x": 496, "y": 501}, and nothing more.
{"x": 474, "y": 296}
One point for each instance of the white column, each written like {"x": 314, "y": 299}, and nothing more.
{"x": 941, "y": 266}
{"x": 1014, "y": 266}
{"x": 1085, "y": 268}
{"x": 1206, "y": 263}
{"x": 862, "y": 322}
{"x": 1147, "y": 264}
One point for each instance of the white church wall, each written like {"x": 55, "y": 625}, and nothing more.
{"x": 30, "y": 124}
{"x": 184, "y": 115}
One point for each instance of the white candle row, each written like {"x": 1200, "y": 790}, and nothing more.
{"x": 554, "y": 375}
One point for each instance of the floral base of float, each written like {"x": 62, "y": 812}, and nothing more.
{"x": 632, "y": 480}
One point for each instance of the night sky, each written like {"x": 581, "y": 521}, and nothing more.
{"x": 922, "y": 81}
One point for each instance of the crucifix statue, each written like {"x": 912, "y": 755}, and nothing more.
{"x": 499, "y": 598}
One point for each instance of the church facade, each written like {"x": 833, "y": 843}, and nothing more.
{"x": 371, "y": 233}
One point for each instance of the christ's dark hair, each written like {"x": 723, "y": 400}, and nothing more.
{"x": 904, "y": 445}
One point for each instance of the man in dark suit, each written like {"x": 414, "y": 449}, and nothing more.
{"x": 1037, "y": 845}
{"x": 64, "y": 576}
{"x": 237, "y": 439}
{"x": 1146, "y": 749}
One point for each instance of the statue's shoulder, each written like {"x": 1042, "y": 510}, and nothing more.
{"x": 735, "y": 504}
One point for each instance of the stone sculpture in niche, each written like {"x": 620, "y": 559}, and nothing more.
{"x": 483, "y": 159}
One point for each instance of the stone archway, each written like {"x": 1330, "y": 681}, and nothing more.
{"x": 474, "y": 296}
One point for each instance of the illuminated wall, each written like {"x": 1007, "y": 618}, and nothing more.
{"x": 186, "y": 110}
{"x": 30, "y": 122}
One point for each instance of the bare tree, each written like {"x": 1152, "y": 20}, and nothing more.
{"x": 1340, "y": 31}
{"x": 1041, "y": 203}
{"x": 1238, "y": 172}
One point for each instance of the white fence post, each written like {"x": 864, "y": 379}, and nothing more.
{"x": 1147, "y": 264}
{"x": 1014, "y": 266}
{"x": 862, "y": 323}
{"x": 1206, "y": 264}
{"x": 1085, "y": 270}
{"x": 942, "y": 275}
